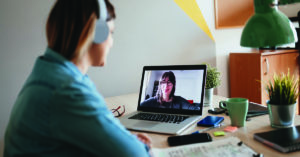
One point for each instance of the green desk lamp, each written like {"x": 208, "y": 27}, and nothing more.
{"x": 268, "y": 27}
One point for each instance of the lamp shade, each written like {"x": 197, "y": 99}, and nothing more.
{"x": 268, "y": 27}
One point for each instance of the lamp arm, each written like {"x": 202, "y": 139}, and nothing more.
{"x": 283, "y": 2}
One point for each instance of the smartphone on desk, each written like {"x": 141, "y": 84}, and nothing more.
{"x": 189, "y": 139}
{"x": 210, "y": 121}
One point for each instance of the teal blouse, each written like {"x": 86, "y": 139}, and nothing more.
{"x": 59, "y": 113}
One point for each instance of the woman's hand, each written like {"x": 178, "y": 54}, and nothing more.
{"x": 144, "y": 138}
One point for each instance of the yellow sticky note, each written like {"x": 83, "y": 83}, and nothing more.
{"x": 191, "y": 8}
{"x": 219, "y": 133}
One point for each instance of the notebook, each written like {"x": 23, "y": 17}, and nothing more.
{"x": 255, "y": 109}
{"x": 284, "y": 140}
{"x": 170, "y": 99}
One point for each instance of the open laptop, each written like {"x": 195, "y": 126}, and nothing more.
{"x": 162, "y": 111}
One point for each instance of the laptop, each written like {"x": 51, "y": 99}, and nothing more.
{"x": 170, "y": 99}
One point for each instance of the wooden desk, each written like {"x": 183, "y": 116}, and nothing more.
{"x": 257, "y": 124}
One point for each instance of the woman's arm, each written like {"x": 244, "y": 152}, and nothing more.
{"x": 82, "y": 119}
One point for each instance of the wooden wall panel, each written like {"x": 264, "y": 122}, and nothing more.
{"x": 232, "y": 13}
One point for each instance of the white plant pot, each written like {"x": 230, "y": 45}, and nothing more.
{"x": 208, "y": 97}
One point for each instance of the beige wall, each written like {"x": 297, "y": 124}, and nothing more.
{"x": 22, "y": 39}
{"x": 155, "y": 32}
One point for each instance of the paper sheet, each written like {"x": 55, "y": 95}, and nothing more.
{"x": 219, "y": 148}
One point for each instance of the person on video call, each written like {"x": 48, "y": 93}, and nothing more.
{"x": 165, "y": 97}
{"x": 59, "y": 111}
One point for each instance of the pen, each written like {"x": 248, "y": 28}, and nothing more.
{"x": 254, "y": 155}
{"x": 206, "y": 129}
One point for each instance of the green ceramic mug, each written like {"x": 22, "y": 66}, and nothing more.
{"x": 237, "y": 109}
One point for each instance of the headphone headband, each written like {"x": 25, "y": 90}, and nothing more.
{"x": 103, "y": 10}
{"x": 102, "y": 29}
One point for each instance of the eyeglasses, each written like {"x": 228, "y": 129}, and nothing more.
{"x": 168, "y": 83}
{"x": 116, "y": 111}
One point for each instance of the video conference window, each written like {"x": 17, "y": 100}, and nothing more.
{"x": 176, "y": 89}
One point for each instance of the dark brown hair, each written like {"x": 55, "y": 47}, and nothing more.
{"x": 71, "y": 26}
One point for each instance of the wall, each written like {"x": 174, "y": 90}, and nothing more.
{"x": 147, "y": 33}
{"x": 228, "y": 41}
{"x": 22, "y": 39}
{"x": 150, "y": 33}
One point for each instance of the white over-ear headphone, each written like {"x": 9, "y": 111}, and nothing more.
{"x": 102, "y": 29}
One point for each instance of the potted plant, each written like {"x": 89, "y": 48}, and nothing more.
{"x": 212, "y": 81}
{"x": 283, "y": 92}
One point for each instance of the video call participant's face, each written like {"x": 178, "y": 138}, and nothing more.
{"x": 166, "y": 86}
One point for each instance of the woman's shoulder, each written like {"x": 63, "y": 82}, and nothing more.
{"x": 149, "y": 101}
{"x": 50, "y": 73}
{"x": 179, "y": 99}
{"x": 152, "y": 99}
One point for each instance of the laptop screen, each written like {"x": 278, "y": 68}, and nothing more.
{"x": 173, "y": 89}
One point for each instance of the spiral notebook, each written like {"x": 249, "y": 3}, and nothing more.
{"x": 284, "y": 140}
{"x": 231, "y": 146}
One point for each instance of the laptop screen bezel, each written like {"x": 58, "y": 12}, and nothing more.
{"x": 170, "y": 110}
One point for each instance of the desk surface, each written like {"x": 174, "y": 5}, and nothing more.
{"x": 256, "y": 124}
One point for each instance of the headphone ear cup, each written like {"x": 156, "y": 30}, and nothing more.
{"x": 102, "y": 31}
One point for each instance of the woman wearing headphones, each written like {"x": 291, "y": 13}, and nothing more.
{"x": 59, "y": 112}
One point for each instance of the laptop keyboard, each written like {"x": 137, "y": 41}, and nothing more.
{"x": 160, "y": 117}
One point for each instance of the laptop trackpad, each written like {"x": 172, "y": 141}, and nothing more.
{"x": 145, "y": 124}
